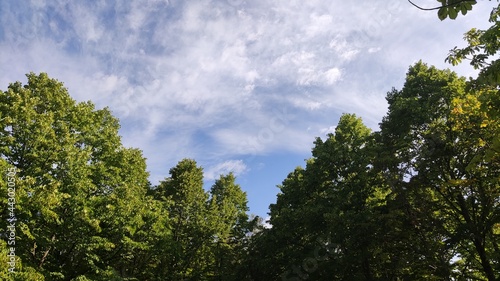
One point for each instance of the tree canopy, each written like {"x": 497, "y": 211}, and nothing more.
{"x": 418, "y": 199}
{"x": 83, "y": 208}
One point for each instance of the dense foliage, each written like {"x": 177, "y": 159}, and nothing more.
{"x": 417, "y": 200}
{"x": 81, "y": 208}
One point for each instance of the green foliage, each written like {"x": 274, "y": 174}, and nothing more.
{"x": 327, "y": 215}
{"x": 208, "y": 229}
{"x": 186, "y": 255}
{"x": 439, "y": 163}
{"x": 85, "y": 209}
{"x": 481, "y": 50}
{"x": 452, "y": 8}
{"x": 79, "y": 193}
{"x": 416, "y": 201}
{"x": 227, "y": 210}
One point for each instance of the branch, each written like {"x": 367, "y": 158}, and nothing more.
{"x": 437, "y": 8}
{"x": 46, "y": 252}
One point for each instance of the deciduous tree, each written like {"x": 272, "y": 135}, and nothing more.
{"x": 78, "y": 190}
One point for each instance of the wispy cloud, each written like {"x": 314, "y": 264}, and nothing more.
{"x": 221, "y": 80}
{"x": 237, "y": 167}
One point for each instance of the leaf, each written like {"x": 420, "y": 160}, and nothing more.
{"x": 463, "y": 8}
{"x": 452, "y": 13}
{"x": 442, "y": 13}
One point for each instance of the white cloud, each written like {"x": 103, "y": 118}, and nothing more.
{"x": 328, "y": 130}
{"x": 332, "y": 75}
{"x": 317, "y": 24}
{"x": 237, "y": 167}
{"x": 344, "y": 49}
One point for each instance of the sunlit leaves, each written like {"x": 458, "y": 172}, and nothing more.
{"x": 70, "y": 162}
{"x": 417, "y": 200}
{"x": 446, "y": 147}
{"x": 481, "y": 50}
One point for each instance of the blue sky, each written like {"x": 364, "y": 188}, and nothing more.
{"x": 242, "y": 86}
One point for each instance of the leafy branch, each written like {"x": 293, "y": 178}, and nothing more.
{"x": 449, "y": 8}
{"x": 439, "y": 7}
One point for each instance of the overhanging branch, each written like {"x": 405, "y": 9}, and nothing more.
{"x": 437, "y": 8}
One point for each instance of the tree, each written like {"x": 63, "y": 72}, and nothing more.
{"x": 482, "y": 51}
{"x": 83, "y": 206}
{"x": 448, "y": 177}
{"x": 417, "y": 200}
{"x": 78, "y": 190}
{"x": 228, "y": 211}
{"x": 343, "y": 159}
{"x": 328, "y": 216}
{"x": 187, "y": 254}
{"x": 11, "y": 267}
{"x": 478, "y": 130}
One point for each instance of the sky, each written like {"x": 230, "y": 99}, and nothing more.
{"x": 242, "y": 86}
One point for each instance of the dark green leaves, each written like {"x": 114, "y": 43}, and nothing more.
{"x": 451, "y": 8}
{"x": 415, "y": 201}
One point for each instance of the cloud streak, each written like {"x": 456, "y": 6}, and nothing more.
{"x": 237, "y": 167}
{"x": 224, "y": 80}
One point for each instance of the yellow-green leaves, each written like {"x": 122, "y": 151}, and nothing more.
{"x": 71, "y": 165}
{"x": 482, "y": 46}
{"x": 442, "y": 140}
{"x": 477, "y": 115}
